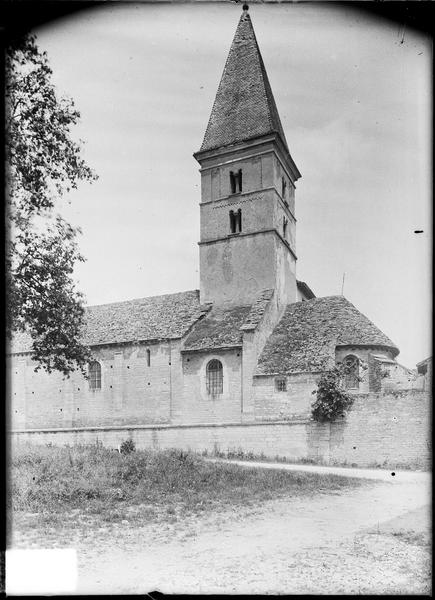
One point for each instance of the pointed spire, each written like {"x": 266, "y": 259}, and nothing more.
{"x": 244, "y": 106}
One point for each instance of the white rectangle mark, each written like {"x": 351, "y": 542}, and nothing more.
{"x": 38, "y": 571}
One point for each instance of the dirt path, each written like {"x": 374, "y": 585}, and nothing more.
{"x": 333, "y": 543}
{"x": 389, "y": 475}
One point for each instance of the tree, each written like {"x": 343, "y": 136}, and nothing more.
{"x": 43, "y": 162}
{"x": 332, "y": 400}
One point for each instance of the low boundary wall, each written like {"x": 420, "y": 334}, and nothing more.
{"x": 278, "y": 438}
{"x": 390, "y": 430}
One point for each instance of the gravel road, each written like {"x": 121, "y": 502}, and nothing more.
{"x": 338, "y": 543}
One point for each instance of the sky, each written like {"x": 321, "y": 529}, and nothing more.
{"x": 354, "y": 97}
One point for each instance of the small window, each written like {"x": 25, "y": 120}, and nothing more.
{"x": 284, "y": 226}
{"x": 283, "y": 187}
{"x": 214, "y": 374}
{"x": 239, "y": 220}
{"x": 232, "y": 182}
{"x": 148, "y": 357}
{"x": 236, "y": 181}
{"x": 236, "y": 221}
{"x": 232, "y": 222}
{"x": 281, "y": 384}
{"x": 351, "y": 372}
{"x": 94, "y": 372}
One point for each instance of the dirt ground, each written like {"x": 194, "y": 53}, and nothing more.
{"x": 368, "y": 540}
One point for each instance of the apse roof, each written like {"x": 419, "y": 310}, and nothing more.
{"x": 308, "y": 333}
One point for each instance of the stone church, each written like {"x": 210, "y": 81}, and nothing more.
{"x": 250, "y": 344}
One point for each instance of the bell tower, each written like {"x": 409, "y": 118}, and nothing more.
{"x": 248, "y": 177}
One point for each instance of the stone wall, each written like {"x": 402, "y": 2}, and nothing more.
{"x": 271, "y": 439}
{"x": 193, "y": 404}
{"x": 400, "y": 378}
{"x": 272, "y": 404}
{"x": 237, "y": 268}
{"x": 391, "y": 430}
{"x": 131, "y": 391}
{"x": 172, "y": 389}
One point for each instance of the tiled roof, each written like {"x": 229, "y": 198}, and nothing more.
{"x": 257, "y": 310}
{"x": 308, "y": 333}
{"x": 219, "y": 329}
{"x": 158, "y": 317}
{"x": 224, "y": 327}
{"x": 244, "y": 106}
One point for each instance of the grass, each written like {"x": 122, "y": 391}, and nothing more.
{"x": 52, "y": 483}
{"x": 240, "y": 454}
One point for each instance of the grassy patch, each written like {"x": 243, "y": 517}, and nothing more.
{"x": 240, "y": 454}
{"x": 52, "y": 481}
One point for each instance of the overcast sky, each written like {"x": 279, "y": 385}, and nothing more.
{"x": 354, "y": 97}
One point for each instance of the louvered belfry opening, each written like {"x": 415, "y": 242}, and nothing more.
{"x": 215, "y": 383}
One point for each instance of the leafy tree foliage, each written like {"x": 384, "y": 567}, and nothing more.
{"x": 43, "y": 162}
{"x": 332, "y": 400}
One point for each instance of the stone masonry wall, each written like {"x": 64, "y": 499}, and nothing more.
{"x": 192, "y": 403}
{"x": 391, "y": 429}
{"x": 131, "y": 391}
{"x": 272, "y": 439}
{"x": 272, "y": 404}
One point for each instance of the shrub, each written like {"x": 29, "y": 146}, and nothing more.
{"x": 127, "y": 447}
{"x": 332, "y": 400}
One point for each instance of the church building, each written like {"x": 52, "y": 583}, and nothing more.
{"x": 250, "y": 345}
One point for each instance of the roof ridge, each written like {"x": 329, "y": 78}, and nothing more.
{"x": 141, "y": 298}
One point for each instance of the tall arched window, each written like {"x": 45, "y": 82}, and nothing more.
{"x": 215, "y": 383}
{"x": 94, "y": 371}
{"x": 351, "y": 372}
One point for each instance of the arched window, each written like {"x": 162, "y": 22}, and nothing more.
{"x": 148, "y": 357}
{"x": 351, "y": 372}
{"x": 215, "y": 383}
{"x": 94, "y": 371}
